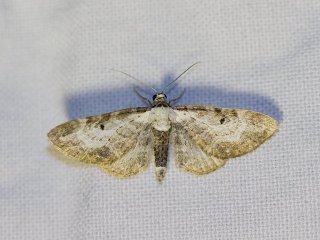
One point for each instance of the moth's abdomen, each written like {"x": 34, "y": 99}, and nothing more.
{"x": 161, "y": 144}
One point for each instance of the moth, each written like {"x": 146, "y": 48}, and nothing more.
{"x": 123, "y": 143}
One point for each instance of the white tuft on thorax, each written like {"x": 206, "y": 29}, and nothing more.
{"x": 159, "y": 116}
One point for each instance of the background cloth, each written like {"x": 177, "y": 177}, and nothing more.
{"x": 55, "y": 61}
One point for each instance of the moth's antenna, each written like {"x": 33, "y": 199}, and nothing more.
{"x": 166, "y": 87}
{"x": 138, "y": 80}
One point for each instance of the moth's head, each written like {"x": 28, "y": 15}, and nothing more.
{"x": 160, "y": 100}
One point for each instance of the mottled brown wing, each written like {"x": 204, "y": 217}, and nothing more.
{"x": 205, "y": 137}
{"x": 118, "y": 142}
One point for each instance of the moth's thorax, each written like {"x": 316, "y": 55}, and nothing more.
{"x": 159, "y": 117}
{"x": 160, "y": 100}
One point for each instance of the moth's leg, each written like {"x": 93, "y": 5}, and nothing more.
{"x": 175, "y": 100}
{"x": 144, "y": 99}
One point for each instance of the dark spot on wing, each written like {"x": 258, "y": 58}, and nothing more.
{"x": 91, "y": 120}
{"x": 103, "y": 152}
{"x": 234, "y": 113}
{"x": 222, "y": 120}
{"x": 217, "y": 110}
{"x": 102, "y": 126}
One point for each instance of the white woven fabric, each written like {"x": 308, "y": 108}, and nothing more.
{"x": 55, "y": 61}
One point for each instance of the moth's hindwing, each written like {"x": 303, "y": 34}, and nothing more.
{"x": 205, "y": 137}
{"x": 118, "y": 142}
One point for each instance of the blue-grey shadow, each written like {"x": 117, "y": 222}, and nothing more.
{"x": 94, "y": 102}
